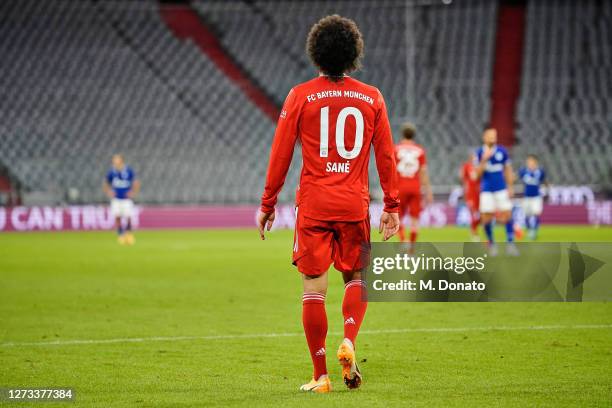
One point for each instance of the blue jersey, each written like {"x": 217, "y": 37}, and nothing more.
{"x": 532, "y": 179}
{"x": 121, "y": 181}
{"x": 493, "y": 175}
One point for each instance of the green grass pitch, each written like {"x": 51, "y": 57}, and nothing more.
{"x": 213, "y": 318}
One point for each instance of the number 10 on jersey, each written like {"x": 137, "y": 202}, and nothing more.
{"x": 340, "y": 126}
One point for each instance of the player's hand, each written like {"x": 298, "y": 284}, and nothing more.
{"x": 264, "y": 221}
{"x": 510, "y": 192}
{"x": 487, "y": 153}
{"x": 389, "y": 224}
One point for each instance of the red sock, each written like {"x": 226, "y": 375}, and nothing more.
{"x": 353, "y": 309}
{"x": 475, "y": 222}
{"x": 314, "y": 320}
{"x": 402, "y": 234}
{"x": 413, "y": 235}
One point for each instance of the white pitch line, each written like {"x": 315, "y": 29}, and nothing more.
{"x": 276, "y": 335}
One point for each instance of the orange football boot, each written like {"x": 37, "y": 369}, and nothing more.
{"x": 321, "y": 386}
{"x": 347, "y": 359}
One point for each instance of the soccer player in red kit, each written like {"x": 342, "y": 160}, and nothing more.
{"x": 471, "y": 193}
{"x": 412, "y": 174}
{"x": 337, "y": 119}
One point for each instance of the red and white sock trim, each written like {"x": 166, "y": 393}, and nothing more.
{"x": 313, "y": 297}
{"x": 354, "y": 282}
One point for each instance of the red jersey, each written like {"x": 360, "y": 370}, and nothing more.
{"x": 410, "y": 159}
{"x": 336, "y": 123}
{"x": 471, "y": 182}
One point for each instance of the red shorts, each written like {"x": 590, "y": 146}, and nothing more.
{"x": 410, "y": 202}
{"x": 317, "y": 244}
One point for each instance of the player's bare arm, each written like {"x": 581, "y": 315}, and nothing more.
{"x": 135, "y": 189}
{"x": 509, "y": 177}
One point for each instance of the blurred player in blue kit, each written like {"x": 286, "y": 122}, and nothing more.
{"x": 533, "y": 177}
{"x": 121, "y": 186}
{"x": 494, "y": 169}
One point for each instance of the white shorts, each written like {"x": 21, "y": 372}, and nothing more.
{"x": 491, "y": 202}
{"x": 532, "y": 205}
{"x": 122, "y": 207}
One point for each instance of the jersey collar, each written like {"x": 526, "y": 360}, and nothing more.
{"x": 323, "y": 75}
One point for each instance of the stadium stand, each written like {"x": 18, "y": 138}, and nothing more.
{"x": 85, "y": 79}
{"x": 564, "y": 111}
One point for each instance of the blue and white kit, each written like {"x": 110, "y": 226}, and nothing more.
{"x": 533, "y": 180}
{"x": 493, "y": 190}
{"x": 121, "y": 181}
